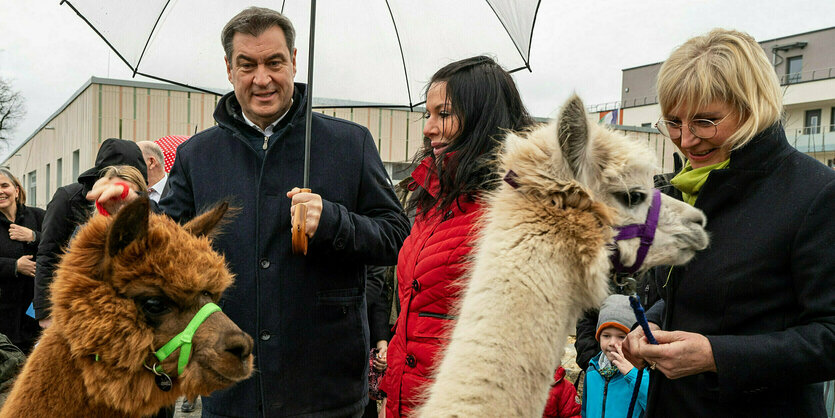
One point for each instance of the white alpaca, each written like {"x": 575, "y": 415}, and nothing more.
{"x": 543, "y": 257}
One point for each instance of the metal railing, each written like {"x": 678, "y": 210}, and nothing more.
{"x": 785, "y": 79}
{"x": 809, "y": 75}
{"x": 813, "y": 140}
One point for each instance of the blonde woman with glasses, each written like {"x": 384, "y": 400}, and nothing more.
{"x": 747, "y": 328}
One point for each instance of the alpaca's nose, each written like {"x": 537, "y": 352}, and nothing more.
{"x": 238, "y": 343}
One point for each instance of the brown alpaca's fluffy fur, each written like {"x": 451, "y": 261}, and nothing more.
{"x": 542, "y": 257}
{"x": 100, "y": 307}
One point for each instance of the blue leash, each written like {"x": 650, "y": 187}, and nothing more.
{"x": 641, "y": 317}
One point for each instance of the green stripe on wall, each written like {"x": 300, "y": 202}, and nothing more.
{"x": 100, "y": 112}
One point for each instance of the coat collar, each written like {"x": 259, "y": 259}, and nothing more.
{"x": 755, "y": 160}
{"x": 426, "y": 176}
{"x": 228, "y": 111}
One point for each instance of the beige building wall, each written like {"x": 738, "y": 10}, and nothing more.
{"x": 67, "y": 142}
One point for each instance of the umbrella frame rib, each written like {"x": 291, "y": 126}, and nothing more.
{"x": 402, "y": 56}
{"x": 135, "y": 70}
{"x": 150, "y": 35}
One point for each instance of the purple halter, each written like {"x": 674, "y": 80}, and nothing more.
{"x": 645, "y": 231}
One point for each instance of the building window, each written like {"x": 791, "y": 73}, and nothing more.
{"x": 47, "y": 181}
{"x": 646, "y": 125}
{"x": 812, "y": 124}
{"x": 793, "y": 67}
{"x": 59, "y": 172}
{"x": 75, "y": 162}
{"x": 32, "y": 193}
{"x": 832, "y": 120}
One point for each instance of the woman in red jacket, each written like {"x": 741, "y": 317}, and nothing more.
{"x": 469, "y": 104}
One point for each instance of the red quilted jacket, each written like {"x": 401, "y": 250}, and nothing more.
{"x": 429, "y": 271}
{"x": 562, "y": 398}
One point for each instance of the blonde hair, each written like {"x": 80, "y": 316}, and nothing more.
{"x": 127, "y": 173}
{"x": 727, "y": 66}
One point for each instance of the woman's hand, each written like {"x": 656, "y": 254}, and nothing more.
{"x": 21, "y": 233}
{"x": 26, "y": 266}
{"x": 618, "y": 359}
{"x": 45, "y": 323}
{"x": 678, "y": 353}
{"x": 380, "y": 362}
{"x": 108, "y": 193}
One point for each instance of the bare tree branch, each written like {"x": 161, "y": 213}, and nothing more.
{"x": 12, "y": 110}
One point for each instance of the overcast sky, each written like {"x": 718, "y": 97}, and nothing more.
{"x": 47, "y": 52}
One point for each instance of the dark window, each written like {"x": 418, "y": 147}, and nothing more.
{"x": 812, "y": 124}
{"x": 646, "y": 125}
{"x": 75, "y": 163}
{"x": 47, "y": 180}
{"x": 832, "y": 120}
{"x": 33, "y": 189}
{"x": 793, "y": 67}
{"x": 59, "y": 172}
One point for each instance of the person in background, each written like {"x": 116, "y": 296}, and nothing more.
{"x": 157, "y": 177}
{"x": 562, "y": 398}
{"x": 20, "y": 227}
{"x": 611, "y": 380}
{"x": 306, "y": 312}
{"x": 70, "y": 208}
{"x": 470, "y": 104}
{"x": 747, "y": 327}
{"x": 378, "y": 325}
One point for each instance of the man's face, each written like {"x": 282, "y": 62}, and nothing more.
{"x": 262, "y": 70}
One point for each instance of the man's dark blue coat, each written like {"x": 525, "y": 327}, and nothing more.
{"x": 307, "y": 314}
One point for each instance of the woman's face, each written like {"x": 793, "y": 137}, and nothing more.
{"x": 705, "y": 152}
{"x": 8, "y": 192}
{"x": 441, "y": 124}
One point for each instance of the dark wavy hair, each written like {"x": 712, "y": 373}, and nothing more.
{"x": 485, "y": 99}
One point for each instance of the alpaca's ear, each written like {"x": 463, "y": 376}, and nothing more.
{"x": 573, "y": 134}
{"x": 208, "y": 223}
{"x": 130, "y": 224}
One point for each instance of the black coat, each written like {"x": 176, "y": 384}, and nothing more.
{"x": 763, "y": 293}
{"x": 379, "y": 308}
{"x": 16, "y": 290}
{"x": 70, "y": 208}
{"x": 306, "y": 313}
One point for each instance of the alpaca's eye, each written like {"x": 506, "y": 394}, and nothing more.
{"x": 155, "y": 306}
{"x": 631, "y": 198}
{"x": 208, "y": 294}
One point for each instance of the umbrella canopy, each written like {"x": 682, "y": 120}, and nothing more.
{"x": 370, "y": 53}
{"x": 169, "y": 146}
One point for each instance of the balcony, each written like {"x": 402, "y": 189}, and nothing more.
{"x": 814, "y": 140}
{"x": 805, "y": 76}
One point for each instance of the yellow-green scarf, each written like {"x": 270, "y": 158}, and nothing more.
{"x": 689, "y": 181}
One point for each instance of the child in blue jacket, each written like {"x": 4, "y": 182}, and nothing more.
{"x": 611, "y": 379}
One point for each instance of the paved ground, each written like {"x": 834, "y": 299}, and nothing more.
{"x": 197, "y": 410}
{"x": 177, "y": 413}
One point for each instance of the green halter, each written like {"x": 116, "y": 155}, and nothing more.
{"x": 183, "y": 339}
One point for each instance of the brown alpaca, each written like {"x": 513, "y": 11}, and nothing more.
{"x": 127, "y": 285}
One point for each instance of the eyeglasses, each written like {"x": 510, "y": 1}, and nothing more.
{"x": 700, "y": 128}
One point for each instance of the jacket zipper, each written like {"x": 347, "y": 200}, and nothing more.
{"x": 605, "y": 392}
{"x": 436, "y": 315}
{"x": 266, "y": 138}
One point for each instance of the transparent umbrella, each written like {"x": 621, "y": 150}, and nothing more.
{"x": 372, "y": 53}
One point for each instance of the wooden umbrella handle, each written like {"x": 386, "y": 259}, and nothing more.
{"x": 299, "y": 227}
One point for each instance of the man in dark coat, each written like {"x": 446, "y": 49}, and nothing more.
{"x": 70, "y": 208}
{"x": 306, "y": 313}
